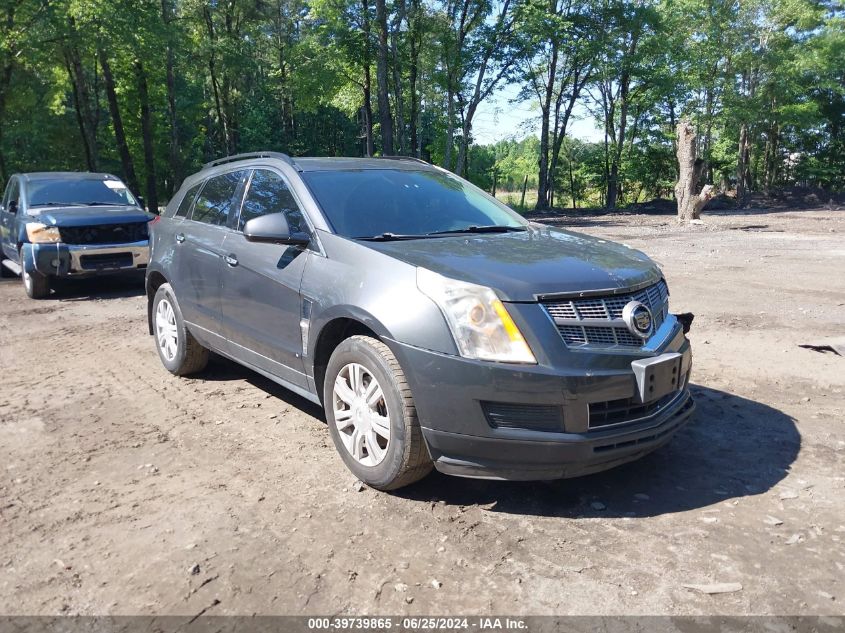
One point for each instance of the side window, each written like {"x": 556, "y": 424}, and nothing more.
{"x": 187, "y": 201}
{"x": 215, "y": 201}
{"x": 269, "y": 193}
{"x": 12, "y": 193}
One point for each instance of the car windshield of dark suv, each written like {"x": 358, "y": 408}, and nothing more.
{"x": 411, "y": 204}
{"x": 82, "y": 192}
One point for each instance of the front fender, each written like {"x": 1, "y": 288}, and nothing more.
{"x": 333, "y": 313}
{"x": 28, "y": 258}
{"x": 381, "y": 292}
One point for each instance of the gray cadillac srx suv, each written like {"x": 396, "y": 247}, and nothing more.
{"x": 436, "y": 327}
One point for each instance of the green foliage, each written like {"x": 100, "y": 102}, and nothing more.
{"x": 297, "y": 76}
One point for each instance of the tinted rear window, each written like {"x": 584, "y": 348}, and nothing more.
{"x": 187, "y": 201}
{"x": 215, "y": 201}
{"x": 368, "y": 202}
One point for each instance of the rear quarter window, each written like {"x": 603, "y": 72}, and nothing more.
{"x": 216, "y": 200}
{"x": 184, "y": 207}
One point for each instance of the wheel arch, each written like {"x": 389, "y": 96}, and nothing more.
{"x": 331, "y": 334}
{"x": 155, "y": 280}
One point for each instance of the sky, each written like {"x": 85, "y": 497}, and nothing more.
{"x": 497, "y": 119}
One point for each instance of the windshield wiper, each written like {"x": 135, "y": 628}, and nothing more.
{"x": 492, "y": 228}
{"x": 391, "y": 237}
{"x": 103, "y": 204}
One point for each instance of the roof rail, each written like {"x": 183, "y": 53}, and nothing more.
{"x": 248, "y": 155}
{"x": 413, "y": 158}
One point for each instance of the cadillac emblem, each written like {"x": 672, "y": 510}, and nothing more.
{"x": 638, "y": 318}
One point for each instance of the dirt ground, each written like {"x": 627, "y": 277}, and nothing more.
{"x": 125, "y": 490}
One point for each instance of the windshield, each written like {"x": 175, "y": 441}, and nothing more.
{"x": 373, "y": 202}
{"x": 85, "y": 191}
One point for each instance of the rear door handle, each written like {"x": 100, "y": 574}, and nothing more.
{"x": 180, "y": 237}
{"x": 231, "y": 260}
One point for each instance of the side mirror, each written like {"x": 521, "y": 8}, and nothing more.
{"x": 273, "y": 229}
{"x": 13, "y": 206}
{"x": 141, "y": 202}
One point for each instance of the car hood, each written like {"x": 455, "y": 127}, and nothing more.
{"x": 86, "y": 216}
{"x": 527, "y": 265}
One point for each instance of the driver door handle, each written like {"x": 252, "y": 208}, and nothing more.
{"x": 231, "y": 260}
{"x": 180, "y": 237}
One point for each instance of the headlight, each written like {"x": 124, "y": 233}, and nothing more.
{"x": 42, "y": 234}
{"x": 480, "y": 323}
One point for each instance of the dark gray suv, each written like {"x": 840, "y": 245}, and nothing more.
{"x": 435, "y": 326}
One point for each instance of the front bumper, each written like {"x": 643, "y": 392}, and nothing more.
{"x": 565, "y": 455}
{"x": 73, "y": 260}
{"x": 453, "y": 396}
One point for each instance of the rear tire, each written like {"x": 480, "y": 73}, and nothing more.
{"x": 371, "y": 415}
{"x": 180, "y": 353}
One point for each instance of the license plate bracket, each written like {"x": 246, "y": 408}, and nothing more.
{"x": 658, "y": 376}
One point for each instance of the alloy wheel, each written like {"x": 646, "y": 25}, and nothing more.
{"x": 361, "y": 415}
{"x": 166, "y": 330}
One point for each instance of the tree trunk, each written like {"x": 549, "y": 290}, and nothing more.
{"x": 5, "y": 84}
{"x": 117, "y": 123}
{"x": 690, "y": 204}
{"x": 385, "y": 117}
{"x": 546, "y": 108}
{"x": 170, "y": 79}
{"x": 367, "y": 106}
{"x": 147, "y": 134}
{"x": 85, "y": 117}
{"x": 674, "y": 126}
{"x": 397, "y": 76}
{"x": 613, "y": 176}
{"x": 580, "y": 75}
{"x": 524, "y": 187}
{"x": 368, "y": 113}
{"x": 708, "y": 133}
{"x": 415, "y": 53}
{"x": 463, "y": 146}
{"x": 771, "y": 166}
{"x": 215, "y": 84}
{"x": 450, "y": 126}
{"x": 743, "y": 168}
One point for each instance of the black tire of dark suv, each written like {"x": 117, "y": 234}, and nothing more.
{"x": 406, "y": 459}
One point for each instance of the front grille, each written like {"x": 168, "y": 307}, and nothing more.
{"x": 105, "y": 233}
{"x": 596, "y": 322}
{"x": 677, "y": 420}
{"x": 523, "y": 416}
{"x": 625, "y": 410}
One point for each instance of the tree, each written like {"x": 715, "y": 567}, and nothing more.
{"x": 385, "y": 116}
{"x": 690, "y": 204}
{"x": 152, "y": 89}
{"x": 562, "y": 35}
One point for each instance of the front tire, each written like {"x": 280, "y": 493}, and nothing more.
{"x": 36, "y": 285}
{"x": 179, "y": 351}
{"x": 371, "y": 415}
